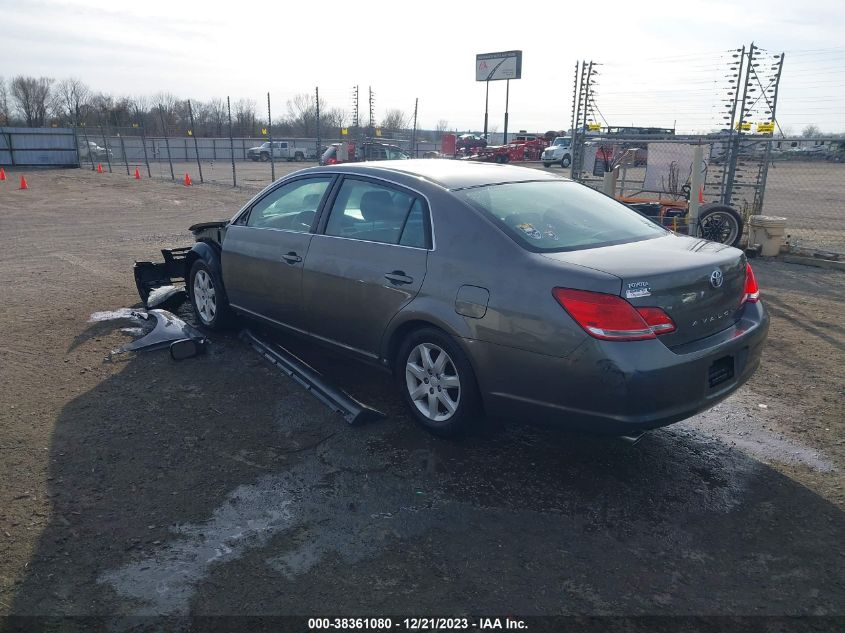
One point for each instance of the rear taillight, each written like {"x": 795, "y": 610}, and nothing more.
{"x": 331, "y": 161}
{"x": 752, "y": 290}
{"x": 657, "y": 320}
{"x": 611, "y": 318}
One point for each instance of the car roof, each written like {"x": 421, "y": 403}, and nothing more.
{"x": 449, "y": 174}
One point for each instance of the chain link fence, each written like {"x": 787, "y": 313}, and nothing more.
{"x": 800, "y": 179}
{"x": 251, "y": 162}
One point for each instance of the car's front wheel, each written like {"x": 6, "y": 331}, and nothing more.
{"x": 437, "y": 382}
{"x": 566, "y": 161}
{"x": 547, "y": 165}
{"x": 208, "y": 299}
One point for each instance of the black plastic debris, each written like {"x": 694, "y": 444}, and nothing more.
{"x": 337, "y": 400}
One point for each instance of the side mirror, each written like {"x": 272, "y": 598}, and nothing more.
{"x": 186, "y": 348}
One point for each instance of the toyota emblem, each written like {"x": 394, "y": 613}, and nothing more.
{"x": 716, "y": 278}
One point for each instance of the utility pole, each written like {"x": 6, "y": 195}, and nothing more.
{"x": 355, "y": 120}
{"x": 507, "y": 97}
{"x": 727, "y": 194}
{"x": 270, "y": 136}
{"x": 414, "y": 134}
{"x": 194, "y": 134}
{"x": 372, "y": 113}
{"x": 317, "y": 93}
{"x": 486, "y": 103}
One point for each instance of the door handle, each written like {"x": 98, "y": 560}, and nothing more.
{"x": 292, "y": 258}
{"x": 399, "y": 277}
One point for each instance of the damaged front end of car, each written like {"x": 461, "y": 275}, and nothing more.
{"x": 163, "y": 283}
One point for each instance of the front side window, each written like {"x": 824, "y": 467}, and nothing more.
{"x": 375, "y": 213}
{"x": 291, "y": 207}
{"x": 550, "y": 216}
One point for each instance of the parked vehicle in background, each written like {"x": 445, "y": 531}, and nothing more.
{"x": 559, "y": 152}
{"x": 338, "y": 153}
{"x": 282, "y": 150}
{"x": 93, "y": 150}
{"x": 601, "y": 321}
{"x": 468, "y": 142}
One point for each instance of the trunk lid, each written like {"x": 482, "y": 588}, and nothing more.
{"x": 700, "y": 284}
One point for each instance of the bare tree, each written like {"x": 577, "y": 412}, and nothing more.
{"x": 5, "y": 114}
{"x": 32, "y": 97}
{"x": 810, "y": 131}
{"x": 334, "y": 119}
{"x": 216, "y": 116}
{"x": 442, "y": 126}
{"x": 245, "y": 116}
{"x": 302, "y": 114}
{"x": 139, "y": 107}
{"x": 394, "y": 120}
{"x": 71, "y": 100}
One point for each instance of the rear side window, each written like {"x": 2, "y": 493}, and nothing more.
{"x": 375, "y": 213}
{"x": 550, "y": 216}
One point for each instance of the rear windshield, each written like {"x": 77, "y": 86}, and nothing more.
{"x": 559, "y": 215}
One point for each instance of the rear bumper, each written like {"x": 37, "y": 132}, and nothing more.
{"x": 620, "y": 388}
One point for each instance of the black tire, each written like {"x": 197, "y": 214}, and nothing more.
{"x": 547, "y": 165}
{"x": 720, "y": 223}
{"x": 467, "y": 399}
{"x": 566, "y": 161}
{"x": 221, "y": 316}
{"x": 264, "y": 157}
{"x": 299, "y": 157}
{"x": 254, "y": 158}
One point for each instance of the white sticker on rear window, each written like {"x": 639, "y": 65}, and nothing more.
{"x": 638, "y": 289}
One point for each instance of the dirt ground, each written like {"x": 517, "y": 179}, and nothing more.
{"x": 135, "y": 485}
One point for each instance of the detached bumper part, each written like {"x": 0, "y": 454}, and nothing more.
{"x": 149, "y": 276}
{"x": 168, "y": 329}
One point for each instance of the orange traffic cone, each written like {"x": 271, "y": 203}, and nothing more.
{"x": 2, "y": 174}
{"x": 187, "y": 180}
{"x": 137, "y": 174}
{"x": 701, "y": 195}
{"x": 99, "y": 168}
{"x": 23, "y": 183}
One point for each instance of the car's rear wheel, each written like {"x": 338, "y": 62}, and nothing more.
{"x": 437, "y": 382}
{"x": 208, "y": 299}
{"x": 299, "y": 157}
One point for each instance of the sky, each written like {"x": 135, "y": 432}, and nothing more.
{"x": 660, "y": 63}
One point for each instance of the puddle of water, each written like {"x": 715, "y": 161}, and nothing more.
{"x": 742, "y": 428}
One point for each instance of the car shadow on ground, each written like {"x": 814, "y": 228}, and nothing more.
{"x": 218, "y": 486}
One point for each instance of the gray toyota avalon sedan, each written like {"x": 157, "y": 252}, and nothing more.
{"x": 489, "y": 289}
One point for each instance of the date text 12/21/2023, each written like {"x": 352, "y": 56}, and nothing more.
{"x": 415, "y": 624}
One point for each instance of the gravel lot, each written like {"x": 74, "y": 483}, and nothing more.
{"x": 137, "y": 486}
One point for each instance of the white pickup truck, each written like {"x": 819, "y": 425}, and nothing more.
{"x": 282, "y": 150}
{"x": 560, "y": 152}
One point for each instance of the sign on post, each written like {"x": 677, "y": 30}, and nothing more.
{"x": 497, "y": 66}
{"x": 765, "y": 128}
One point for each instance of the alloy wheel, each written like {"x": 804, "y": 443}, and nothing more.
{"x": 205, "y": 297}
{"x": 432, "y": 381}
